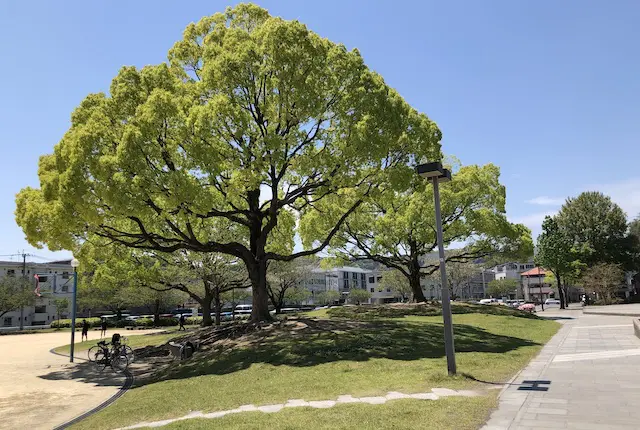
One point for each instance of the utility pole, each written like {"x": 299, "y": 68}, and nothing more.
{"x": 24, "y": 278}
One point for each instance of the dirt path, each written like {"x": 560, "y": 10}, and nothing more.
{"x": 39, "y": 390}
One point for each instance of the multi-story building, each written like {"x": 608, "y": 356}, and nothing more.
{"x": 534, "y": 286}
{"x": 513, "y": 270}
{"x": 345, "y": 279}
{"x": 56, "y": 282}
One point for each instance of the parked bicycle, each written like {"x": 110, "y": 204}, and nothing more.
{"x": 115, "y": 354}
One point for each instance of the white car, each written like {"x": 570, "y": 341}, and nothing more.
{"x": 552, "y": 302}
{"x": 487, "y": 301}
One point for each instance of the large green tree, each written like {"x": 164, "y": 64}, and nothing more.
{"x": 253, "y": 122}
{"x": 14, "y": 293}
{"x": 502, "y": 287}
{"x": 285, "y": 281}
{"x": 556, "y": 252}
{"x": 603, "y": 279}
{"x": 596, "y": 229}
{"x": 398, "y": 229}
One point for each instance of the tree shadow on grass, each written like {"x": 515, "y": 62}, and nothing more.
{"x": 314, "y": 342}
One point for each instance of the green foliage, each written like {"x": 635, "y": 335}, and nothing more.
{"x": 501, "y": 287}
{"x": 596, "y": 229}
{"x": 395, "y": 281}
{"x": 93, "y": 322}
{"x": 398, "y": 229}
{"x": 328, "y": 297}
{"x": 285, "y": 281}
{"x": 358, "y": 295}
{"x": 421, "y": 309}
{"x": 61, "y": 305}
{"x": 15, "y": 293}
{"x": 603, "y": 279}
{"x": 253, "y": 121}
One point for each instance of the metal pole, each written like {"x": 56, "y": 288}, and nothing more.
{"x": 446, "y": 303}
{"x": 24, "y": 282}
{"x": 73, "y": 314}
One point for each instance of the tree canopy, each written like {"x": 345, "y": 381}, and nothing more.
{"x": 251, "y": 123}
{"x": 398, "y": 229}
{"x": 502, "y": 287}
{"x": 596, "y": 229}
{"x": 15, "y": 293}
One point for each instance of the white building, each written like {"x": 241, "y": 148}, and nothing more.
{"x": 346, "y": 278}
{"x": 56, "y": 282}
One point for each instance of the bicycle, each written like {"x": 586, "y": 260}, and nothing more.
{"x": 128, "y": 351}
{"x": 113, "y": 357}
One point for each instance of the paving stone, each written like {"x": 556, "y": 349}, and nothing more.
{"x": 296, "y": 403}
{"x": 424, "y": 396}
{"x": 322, "y": 404}
{"x": 393, "y": 395}
{"x": 378, "y": 400}
{"x": 444, "y": 392}
{"x": 270, "y": 408}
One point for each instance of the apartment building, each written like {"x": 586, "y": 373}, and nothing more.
{"x": 56, "y": 282}
{"x": 347, "y": 278}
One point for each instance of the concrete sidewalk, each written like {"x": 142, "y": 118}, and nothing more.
{"x": 586, "y": 377}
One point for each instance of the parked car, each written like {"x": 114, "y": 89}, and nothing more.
{"x": 552, "y": 302}
{"x": 243, "y": 309}
{"x": 487, "y": 301}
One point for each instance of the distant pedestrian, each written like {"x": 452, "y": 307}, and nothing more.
{"x": 85, "y": 330}
{"x": 181, "y": 321}
{"x": 103, "y": 328}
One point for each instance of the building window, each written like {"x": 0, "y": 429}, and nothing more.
{"x": 354, "y": 275}
{"x": 65, "y": 288}
{"x": 345, "y": 283}
{"x": 379, "y": 278}
{"x": 8, "y": 321}
{"x": 363, "y": 277}
{"x": 43, "y": 278}
{"x": 11, "y": 272}
{"x": 41, "y": 309}
{"x": 65, "y": 275}
{"x": 372, "y": 290}
{"x": 372, "y": 279}
{"x": 388, "y": 290}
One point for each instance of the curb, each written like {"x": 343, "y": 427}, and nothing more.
{"x": 612, "y": 313}
{"x": 123, "y": 389}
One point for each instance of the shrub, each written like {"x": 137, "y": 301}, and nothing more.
{"x": 193, "y": 321}
{"x": 148, "y": 322}
{"x": 614, "y": 301}
{"x": 66, "y": 323}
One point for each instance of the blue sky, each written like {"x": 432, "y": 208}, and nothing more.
{"x": 546, "y": 90}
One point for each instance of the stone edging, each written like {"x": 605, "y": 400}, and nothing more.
{"x": 123, "y": 389}
{"x": 586, "y": 311}
{"x": 435, "y": 394}
{"x": 636, "y": 327}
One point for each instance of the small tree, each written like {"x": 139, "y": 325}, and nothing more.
{"x": 603, "y": 279}
{"x": 502, "y": 287}
{"x": 61, "y": 306}
{"x": 396, "y": 282}
{"x": 284, "y": 281}
{"x": 14, "y": 294}
{"x": 358, "y": 295}
{"x": 328, "y": 297}
{"x": 459, "y": 277}
{"x": 297, "y": 295}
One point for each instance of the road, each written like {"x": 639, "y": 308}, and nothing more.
{"x": 39, "y": 390}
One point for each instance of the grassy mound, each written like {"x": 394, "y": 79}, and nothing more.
{"x": 400, "y": 310}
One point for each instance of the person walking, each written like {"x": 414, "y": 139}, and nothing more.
{"x": 181, "y": 321}
{"x": 85, "y": 330}
{"x": 103, "y": 328}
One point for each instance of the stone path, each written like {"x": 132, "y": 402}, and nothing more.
{"x": 435, "y": 394}
{"x": 587, "y": 377}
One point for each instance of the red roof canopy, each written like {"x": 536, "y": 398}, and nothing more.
{"x": 536, "y": 271}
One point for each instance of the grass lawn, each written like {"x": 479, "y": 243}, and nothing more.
{"x": 138, "y": 340}
{"x": 325, "y": 358}
{"x": 469, "y": 414}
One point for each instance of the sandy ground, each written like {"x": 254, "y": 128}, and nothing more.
{"x": 39, "y": 390}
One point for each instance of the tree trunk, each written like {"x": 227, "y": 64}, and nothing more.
{"x": 416, "y": 288}
{"x": 206, "y": 311}
{"x": 260, "y": 302}
{"x": 217, "y": 305}
{"x": 560, "y": 292}
{"x": 156, "y": 313}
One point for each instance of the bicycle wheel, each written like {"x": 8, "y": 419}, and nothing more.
{"x": 119, "y": 362}
{"x": 101, "y": 360}
{"x": 126, "y": 349}
{"x": 93, "y": 351}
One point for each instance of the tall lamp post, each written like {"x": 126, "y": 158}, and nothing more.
{"x": 74, "y": 263}
{"x": 436, "y": 174}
